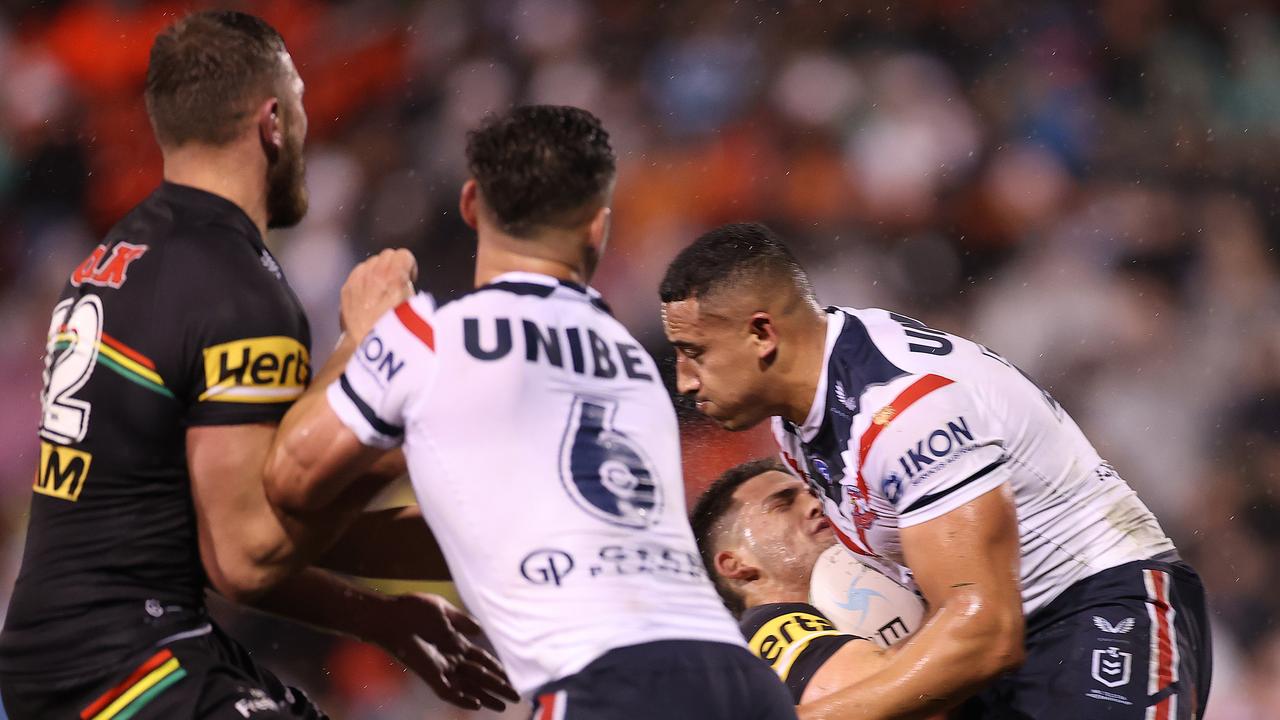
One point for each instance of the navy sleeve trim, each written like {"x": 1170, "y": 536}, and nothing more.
{"x": 371, "y": 417}
{"x": 930, "y": 499}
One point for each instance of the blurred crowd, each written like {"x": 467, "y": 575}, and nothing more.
{"x": 1090, "y": 188}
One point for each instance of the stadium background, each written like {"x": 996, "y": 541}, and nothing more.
{"x": 1088, "y": 187}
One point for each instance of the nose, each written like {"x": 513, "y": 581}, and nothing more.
{"x": 815, "y": 507}
{"x": 687, "y": 381}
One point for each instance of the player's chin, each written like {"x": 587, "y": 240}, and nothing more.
{"x": 733, "y": 422}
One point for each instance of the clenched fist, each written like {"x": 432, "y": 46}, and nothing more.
{"x": 375, "y": 286}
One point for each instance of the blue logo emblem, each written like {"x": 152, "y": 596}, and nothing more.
{"x": 892, "y": 487}
{"x": 859, "y": 599}
{"x": 823, "y": 469}
{"x": 604, "y": 471}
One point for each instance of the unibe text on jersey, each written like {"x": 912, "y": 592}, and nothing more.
{"x": 543, "y": 344}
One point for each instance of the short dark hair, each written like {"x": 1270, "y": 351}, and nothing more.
{"x": 540, "y": 166}
{"x": 712, "y": 506}
{"x": 727, "y": 256}
{"x": 206, "y": 71}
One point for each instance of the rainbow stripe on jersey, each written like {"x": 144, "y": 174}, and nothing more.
{"x": 122, "y": 360}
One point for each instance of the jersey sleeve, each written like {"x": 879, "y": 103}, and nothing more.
{"x": 392, "y": 366}
{"x": 238, "y": 343}
{"x": 935, "y": 455}
{"x": 795, "y": 639}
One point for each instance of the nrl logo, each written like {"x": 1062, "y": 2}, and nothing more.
{"x": 1112, "y": 667}
{"x": 1120, "y": 628}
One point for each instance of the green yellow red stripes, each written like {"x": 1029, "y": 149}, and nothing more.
{"x": 142, "y": 686}
{"x": 122, "y": 360}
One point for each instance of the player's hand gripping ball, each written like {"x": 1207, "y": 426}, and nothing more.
{"x": 860, "y": 600}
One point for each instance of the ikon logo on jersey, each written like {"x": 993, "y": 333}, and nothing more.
{"x": 114, "y": 271}
{"x": 256, "y": 370}
{"x": 936, "y": 446}
{"x": 380, "y": 359}
{"x": 62, "y": 471}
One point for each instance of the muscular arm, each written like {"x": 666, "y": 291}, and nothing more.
{"x": 966, "y": 563}
{"x": 853, "y": 662}
{"x": 245, "y": 547}
{"x": 314, "y": 457}
{"x": 392, "y": 544}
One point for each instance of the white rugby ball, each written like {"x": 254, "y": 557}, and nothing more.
{"x": 861, "y": 600}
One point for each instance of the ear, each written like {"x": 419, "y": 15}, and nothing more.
{"x": 598, "y": 230}
{"x": 764, "y": 335}
{"x": 731, "y": 566}
{"x": 270, "y": 127}
{"x": 467, "y": 203}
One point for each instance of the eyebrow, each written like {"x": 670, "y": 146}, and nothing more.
{"x": 786, "y": 494}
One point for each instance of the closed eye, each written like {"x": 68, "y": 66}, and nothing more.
{"x": 781, "y": 500}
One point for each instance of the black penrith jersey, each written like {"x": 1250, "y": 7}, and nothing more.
{"x": 180, "y": 318}
{"x": 794, "y": 638}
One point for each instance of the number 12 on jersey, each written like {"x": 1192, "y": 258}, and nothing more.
{"x": 70, "y": 357}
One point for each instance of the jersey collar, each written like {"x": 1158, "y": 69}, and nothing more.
{"x": 214, "y": 207}
{"x": 516, "y": 279}
{"x": 818, "y": 410}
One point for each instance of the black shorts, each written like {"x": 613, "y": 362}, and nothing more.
{"x": 1131, "y": 642}
{"x": 668, "y": 680}
{"x": 203, "y": 674}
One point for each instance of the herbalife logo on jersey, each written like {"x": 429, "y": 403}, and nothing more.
{"x": 256, "y": 370}
{"x": 937, "y": 446}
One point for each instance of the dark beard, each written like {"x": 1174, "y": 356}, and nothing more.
{"x": 287, "y": 188}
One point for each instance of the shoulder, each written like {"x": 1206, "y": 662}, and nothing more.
{"x": 774, "y": 627}
{"x": 796, "y": 639}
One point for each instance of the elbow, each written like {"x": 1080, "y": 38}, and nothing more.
{"x": 242, "y": 582}
{"x": 996, "y": 635}
{"x": 243, "y": 569}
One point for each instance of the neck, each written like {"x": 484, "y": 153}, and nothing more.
{"x": 547, "y": 254}
{"x": 763, "y": 593}
{"x": 222, "y": 171}
{"x": 799, "y": 378}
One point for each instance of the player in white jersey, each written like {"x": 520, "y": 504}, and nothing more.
{"x": 543, "y": 449}
{"x": 943, "y": 465}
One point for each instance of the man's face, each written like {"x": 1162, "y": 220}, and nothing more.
{"x": 286, "y": 177}
{"x": 717, "y": 363}
{"x": 779, "y": 528}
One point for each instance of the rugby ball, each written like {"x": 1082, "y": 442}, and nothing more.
{"x": 860, "y": 600}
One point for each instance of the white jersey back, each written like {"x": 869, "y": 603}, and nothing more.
{"x": 544, "y": 451}
{"x": 910, "y": 423}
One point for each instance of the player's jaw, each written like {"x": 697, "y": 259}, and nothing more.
{"x": 287, "y": 199}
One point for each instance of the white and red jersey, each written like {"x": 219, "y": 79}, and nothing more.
{"x": 909, "y": 423}
{"x": 544, "y": 451}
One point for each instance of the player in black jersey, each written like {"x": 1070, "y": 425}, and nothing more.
{"x": 173, "y": 351}
{"x": 760, "y": 531}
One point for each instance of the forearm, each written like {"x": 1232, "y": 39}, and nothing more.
{"x": 949, "y": 659}
{"x": 393, "y": 544}
{"x": 305, "y": 470}
{"x": 325, "y": 601}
